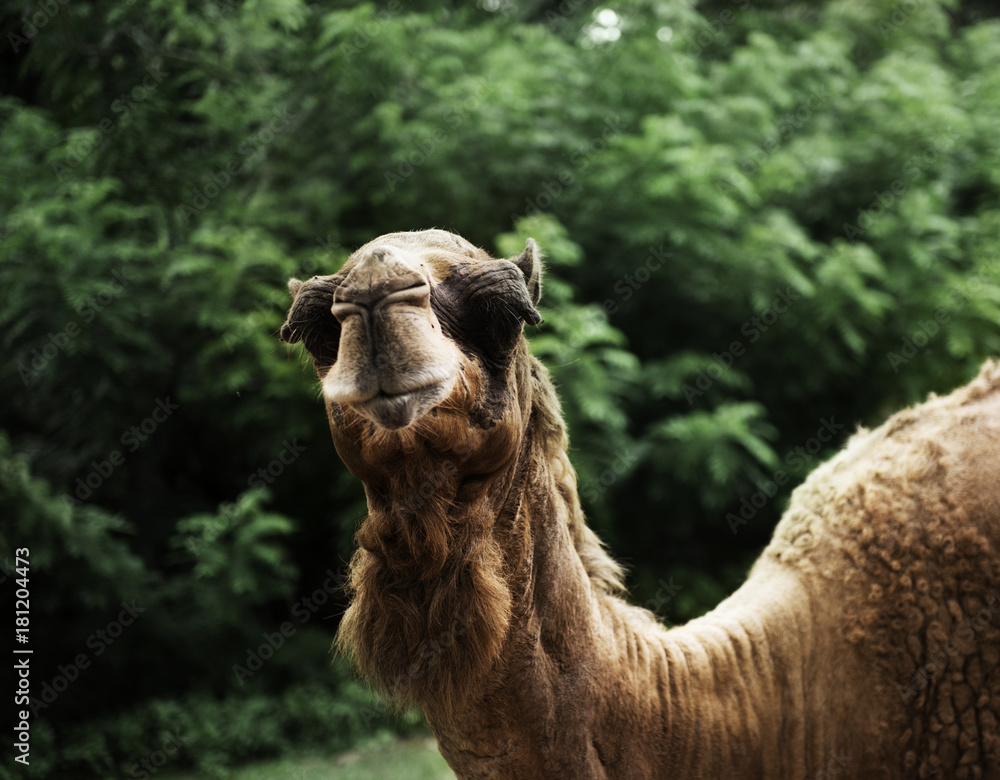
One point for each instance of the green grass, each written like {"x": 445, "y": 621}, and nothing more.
{"x": 381, "y": 759}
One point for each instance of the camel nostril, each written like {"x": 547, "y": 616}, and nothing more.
{"x": 344, "y": 309}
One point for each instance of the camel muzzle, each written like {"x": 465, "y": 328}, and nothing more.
{"x": 393, "y": 362}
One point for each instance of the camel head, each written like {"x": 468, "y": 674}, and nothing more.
{"x": 420, "y": 335}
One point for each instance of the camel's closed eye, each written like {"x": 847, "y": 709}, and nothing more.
{"x": 391, "y": 332}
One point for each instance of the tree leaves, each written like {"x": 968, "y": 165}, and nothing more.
{"x": 755, "y": 217}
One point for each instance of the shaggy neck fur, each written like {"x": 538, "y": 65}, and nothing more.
{"x": 487, "y": 601}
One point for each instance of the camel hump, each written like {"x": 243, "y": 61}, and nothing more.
{"x": 929, "y": 469}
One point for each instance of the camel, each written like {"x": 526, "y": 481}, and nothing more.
{"x": 865, "y": 642}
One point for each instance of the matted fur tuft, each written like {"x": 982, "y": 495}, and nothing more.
{"x": 431, "y": 589}
{"x": 431, "y": 604}
{"x": 606, "y": 573}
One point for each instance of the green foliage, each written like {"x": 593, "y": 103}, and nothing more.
{"x": 81, "y": 550}
{"x": 587, "y": 357}
{"x": 759, "y": 219}
{"x": 210, "y": 735}
{"x": 378, "y": 758}
{"x": 709, "y": 450}
{"x": 235, "y": 547}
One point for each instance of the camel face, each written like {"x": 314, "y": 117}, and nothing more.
{"x": 393, "y": 361}
{"x": 409, "y": 321}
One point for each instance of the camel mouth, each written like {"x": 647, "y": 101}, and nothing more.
{"x": 393, "y": 411}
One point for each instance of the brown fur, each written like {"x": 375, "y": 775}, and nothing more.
{"x": 480, "y": 594}
{"x": 905, "y": 525}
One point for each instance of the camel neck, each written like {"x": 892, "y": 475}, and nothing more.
{"x": 486, "y": 605}
{"x": 592, "y": 687}
{"x": 731, "y": 686}
{"x": 433, "y": 577}
{"x": 541, "y": 680}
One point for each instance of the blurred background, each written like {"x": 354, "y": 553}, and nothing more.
{"x": 766, "y": 223}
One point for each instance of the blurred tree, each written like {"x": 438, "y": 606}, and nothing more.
{"x": 765, "y": 223}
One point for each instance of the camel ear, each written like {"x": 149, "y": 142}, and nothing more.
{"x": 310, "y": 320}
{"x": 288, "y": 333}
{"x": 530, "y": 263}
